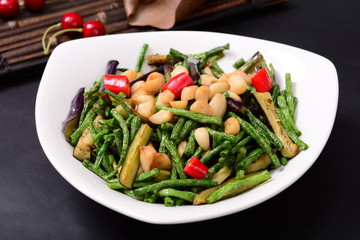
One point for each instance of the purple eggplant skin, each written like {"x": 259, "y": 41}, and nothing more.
{"x": 233, "y": 105}
{"x": 111, "y": 67}
{"x": 193, "y": 68}
{"x": 72, "y": 119}
{"x": 159, "y": 69}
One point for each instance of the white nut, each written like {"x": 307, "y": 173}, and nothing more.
{"x": 232, "y": 126}
{"x": 154, "y": 82}
{"x": 177, "y": 70}
{"x": 218, "y": 87}
{"x": 234, "y": 96}
{"x": 146, "y": 109}
{"x": 130, "y": 74}
{"x": 164, "y": 98}
{"x": 207, "y": 80}
{"x": 161, "y": 117}
{"x": 141, "y": 99}
{"x": 139, "y": 92}
{"x": 237, "y": 84}
{"x": 162, "y": 161}
{"x": 202, "y": 93}
{"x": 136, "y": 86}
{"x": 218, "y": 105}
{"x": 202, "y": 138}
{"x": 202, "y": 107}
{"x": 246, "y": 77}
{"x": 179, "y": 104}
{"x": 181, "y": 148}
{"x": 146, "y": 157}
{"x": 188, "y": 93}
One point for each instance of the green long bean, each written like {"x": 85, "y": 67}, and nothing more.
{"x": 141, "y": 57}
{"x": 190, "y": 145}
{"x": 95, "y": 88}
{"x": 173, "y": 184}
{"x": 177, "y": 129}
{"x": 202, "y": 118}
{"x": 286, "y": 112}
{"x": 256, "y": 135}
{"x": 289, "y": 96}
{"x": 262, "y": 127}
{"x": 126, "y": 135}
{"x": 170, "y": 192}
{"x": 120, "y": 101}
{"x": 210, "y": 154}
{"x": 290, "y": 131}
{"x": 74, "y": 137}
{"x": 236, "y": 185}
{"x": 177, "y": 163}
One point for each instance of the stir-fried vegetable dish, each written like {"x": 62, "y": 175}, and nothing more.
{"x": 185, "y": 132}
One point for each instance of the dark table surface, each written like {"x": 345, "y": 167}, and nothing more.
{"x": 37, "y": 203}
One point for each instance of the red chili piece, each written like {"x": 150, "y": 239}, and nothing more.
{"x": 262, "y": 81}
{"x": 117, "y": 84}
{"x": 195, "y": 168}
{"x": 177, "y": 84}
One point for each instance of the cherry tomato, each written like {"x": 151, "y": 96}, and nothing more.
{"x": 34, "y": 5}
{"x": 93, "y": 28}
{"x": 71, "y": 20}
{"x": 8, "y": 8}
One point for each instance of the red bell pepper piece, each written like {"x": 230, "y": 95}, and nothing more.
{"x": 262, "y": 81}
{"x": 177, "y": 84}
{"x": 117, "y": 84}
{"x": 195, "y": 168}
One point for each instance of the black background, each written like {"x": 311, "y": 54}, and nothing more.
{"x": 37, "y": 203}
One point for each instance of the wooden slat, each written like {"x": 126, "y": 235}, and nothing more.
{"x": 20, "y": 38}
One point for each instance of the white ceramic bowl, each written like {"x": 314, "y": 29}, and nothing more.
{"x": 79, "y": 63}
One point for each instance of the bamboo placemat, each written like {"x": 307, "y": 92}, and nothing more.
{"x": 20, "y": 37}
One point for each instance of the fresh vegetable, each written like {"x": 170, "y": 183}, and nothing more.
{"x": 117, "y": 84}
{"x": 290, "y": 148}
{"x": 251, "y": 62}
{"x": 132, "y": 161}
{"x": 185, "y": 132}
{"x": 262, "y": 81}
{"x": 193, "y": 68}
{"x": 141, "y": 57}
{"x": 72, "y": 120}
{"x": 178, "y": 83}
{"x": 236, "y": 186}
{"x": 195, "y": 168}
{"x": 111, "y": 67}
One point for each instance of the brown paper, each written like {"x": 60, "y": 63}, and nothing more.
{"x": 161, "y": 14}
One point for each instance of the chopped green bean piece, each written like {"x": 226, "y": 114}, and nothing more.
{"x": 202, "y": 118}
{"x": 141, "y": 57}
{"x": 238, "y": 185}
{"x": 170, "y": 192}
{"x": 173, "y": 184}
